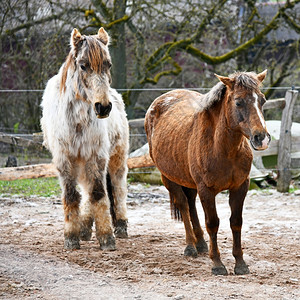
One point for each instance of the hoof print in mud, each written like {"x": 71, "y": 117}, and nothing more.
{"x": 71, "y": 244}
{"x": 107, "y": 242}
{"x": 190, "y": 251}
{"x": 121, "y": 229}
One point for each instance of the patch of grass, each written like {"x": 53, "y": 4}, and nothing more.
{"x": 44, "y": 187}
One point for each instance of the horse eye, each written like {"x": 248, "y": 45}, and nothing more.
{"x": 83, "y": 67}
{"x": 238, "y": 103}
{"x": 108, "y": 64}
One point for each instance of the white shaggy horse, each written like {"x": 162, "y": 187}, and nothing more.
{"x": 85, "y": 128}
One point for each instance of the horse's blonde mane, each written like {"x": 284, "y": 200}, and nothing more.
{"x": 95, "y": 56}
{"x": 69, "y": 62}
{"x": 94, "y": 53}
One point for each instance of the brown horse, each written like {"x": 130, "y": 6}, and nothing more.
{"x": 200, "y": 144}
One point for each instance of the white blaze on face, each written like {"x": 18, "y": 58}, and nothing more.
{"x": 259, "y": 113}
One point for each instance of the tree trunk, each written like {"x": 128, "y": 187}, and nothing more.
{"x": 118, "y": 47}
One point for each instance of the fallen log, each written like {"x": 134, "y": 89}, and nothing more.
{"x": 49, "y": 170}
{"x": 31, "y": 171}
{"x": 140, "y": 162}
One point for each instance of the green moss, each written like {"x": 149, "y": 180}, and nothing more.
{"x": 146, "y": 175}
{"x": 270, "y": 161}
{"x": 45, "y": 187}
{"x": 253, "y": 185}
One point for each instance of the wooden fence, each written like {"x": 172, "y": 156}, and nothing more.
{"x": 283, "y": 147}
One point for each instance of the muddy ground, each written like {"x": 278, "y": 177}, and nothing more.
{"x": 150, "y": 263}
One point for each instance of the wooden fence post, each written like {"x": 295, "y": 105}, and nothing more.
{"x": 284, "y": 150}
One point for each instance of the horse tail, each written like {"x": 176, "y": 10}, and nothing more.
{"x": 109, "y": 188}
{"x": 175, "y": 212}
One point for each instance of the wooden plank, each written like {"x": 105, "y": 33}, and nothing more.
{"x": 136, "y": 123}
{"x": 18, "y": 141}
{"x": 274, "y": 146}
{"x": 284, "y": 150}
{"x": 274, "y": 103}
{"x": 49, "y": 170}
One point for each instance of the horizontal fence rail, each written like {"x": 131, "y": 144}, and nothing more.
{"x": 283, "y": 147}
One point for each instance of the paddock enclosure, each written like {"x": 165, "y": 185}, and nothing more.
{"x": 150, "y": 263}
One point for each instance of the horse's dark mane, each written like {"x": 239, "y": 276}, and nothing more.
{"x": 246, "y": 80}
{"x": 214, "y": 95}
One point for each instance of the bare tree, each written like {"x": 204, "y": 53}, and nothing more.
{"x": 164, "y": 43}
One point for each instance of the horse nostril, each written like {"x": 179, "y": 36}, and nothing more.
{"x": 108, "y": 108}
{"x": 101, "y": 110}
{"x": 257, "y": 138}
{"x": 98, "y": 107}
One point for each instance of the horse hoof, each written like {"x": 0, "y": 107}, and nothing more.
{"x": 121, "y": 229}
{"x": 190, "y": 251}
{"x": 71, "y": 243}
{"x": 241, "y": 270}
{"x": 220, "y": 270}
{"x": 201, "y": 246}
{"x": 107, "y": 242}
{"x": 85, "y": 234}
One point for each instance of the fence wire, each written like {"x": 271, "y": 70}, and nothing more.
{"x": 160, "y": 89}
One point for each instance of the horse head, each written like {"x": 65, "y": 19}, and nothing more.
{"x": 244, "y": 107}
{"x": 92, "y": 70}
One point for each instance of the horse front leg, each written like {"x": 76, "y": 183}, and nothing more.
{"x": 212, "y": 226}
{"x": 100, "y": 205}
{"x": 86, "y": 215}
{"x": 236, "y": 201}
{"x": 118, "y": 175}
{"x": 71, "y": 200}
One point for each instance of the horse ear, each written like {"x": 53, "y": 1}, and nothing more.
{"x": 103, "y": 36}
{"x": 226, "y": 80}
{"x": 75, "y": 38}
{"x": 261, "y": 76}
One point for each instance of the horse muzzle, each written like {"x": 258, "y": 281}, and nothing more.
{"x": 260, "y": 141}
{"x": 102, "y": 111}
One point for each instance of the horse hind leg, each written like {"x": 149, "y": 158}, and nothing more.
{"x": 181, "y": 202}
{"x": 191, "y": 195}
{"x": 117, "y": 186}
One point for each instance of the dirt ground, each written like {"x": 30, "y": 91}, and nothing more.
{"x": 149, "y": 264}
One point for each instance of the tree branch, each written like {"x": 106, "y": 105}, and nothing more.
{"x": 166, "y": 50}
{"x": 30, "y": 24}
{"x": 225, "y": 57}
{"x": 105, "y": 12}
{"x": 291, "y": 22}
{"x": 156, "y": 78}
